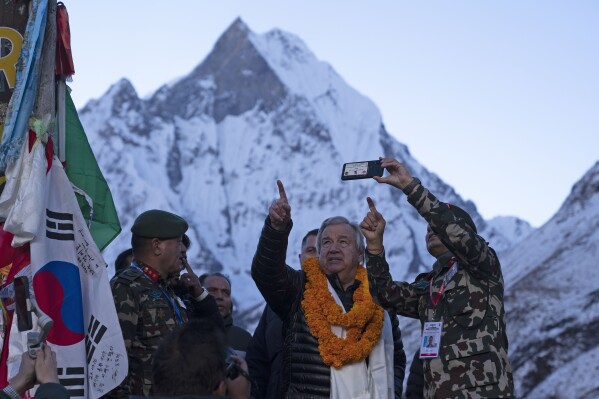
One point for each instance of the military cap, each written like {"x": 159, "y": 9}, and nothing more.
{"x": 462, "y": 214}
{"x": 159, "y": 224}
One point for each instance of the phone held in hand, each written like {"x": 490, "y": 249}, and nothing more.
{"x": 22, "y": 303}
{"x": 232, "y": 368}
{"x": 361, "y": 170}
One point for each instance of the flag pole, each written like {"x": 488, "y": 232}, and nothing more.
{"x": 61, "y": 88}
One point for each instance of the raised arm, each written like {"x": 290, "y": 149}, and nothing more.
{"x": 279, "y": 284}
{"x": 454, "y": 231}
{"x": 399, "y": 297}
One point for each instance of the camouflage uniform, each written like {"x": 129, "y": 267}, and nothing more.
{"x": 473, "y": 361}
{"x": 146, "y": 317}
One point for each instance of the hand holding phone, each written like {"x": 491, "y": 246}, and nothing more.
{"x": 361, "y": 170}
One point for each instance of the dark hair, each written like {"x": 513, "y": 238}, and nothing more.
{"x": 186, "y": 241}
{"x": 204, "y": 276}
{"x": 190, "y": 361}
{"x": 313, "y": 232}
{"x": 121, "y": 263}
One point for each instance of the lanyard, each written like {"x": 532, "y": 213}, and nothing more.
{"x": 173, "y": 304}
{"x": 450, "y": 273}
{"x": 175, "y": 307}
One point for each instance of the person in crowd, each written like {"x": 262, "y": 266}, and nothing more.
{"x": 338, "y": 342}
{"x": 265, "y": 351}
{"x": 123, "y": 261}
{"x": 146, "y": 305}
{"x": 192, "y": 363}
{"x": 459, "y": 302}
{"x": 39, "y": 370}
{"x": 219, "y": 286}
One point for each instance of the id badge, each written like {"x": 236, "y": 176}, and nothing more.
{"x": 431, "y": 339}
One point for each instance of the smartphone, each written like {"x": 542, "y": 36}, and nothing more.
{"x": 232, "y": 368}
{"x": 361, "y": 170}
{"x": 22, "y": 303}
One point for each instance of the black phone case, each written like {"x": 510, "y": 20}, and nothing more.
{"x": 24, "y": 322}
{"x": 374, "y": 169}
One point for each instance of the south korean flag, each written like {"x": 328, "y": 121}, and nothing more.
{"x": 70, "y": 283}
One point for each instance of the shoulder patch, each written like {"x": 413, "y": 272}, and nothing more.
{"x": 128, "y": 275}
{"x": 422, "y": 281}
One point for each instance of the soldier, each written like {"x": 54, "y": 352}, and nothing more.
{"x": 147, "y": 307}
{"x": 459, "y": 302}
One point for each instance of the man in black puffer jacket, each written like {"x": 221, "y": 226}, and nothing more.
{"x": 265, "y": 350}
{"x": 360, "y": 354}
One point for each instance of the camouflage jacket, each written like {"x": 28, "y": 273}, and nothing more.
{"x": 473, "y": 361}
{"x": 146, "y": 316}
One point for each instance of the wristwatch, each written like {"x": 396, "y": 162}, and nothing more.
{"x": 410, "y": 186}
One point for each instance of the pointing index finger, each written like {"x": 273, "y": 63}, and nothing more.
{"x": 188, "y": 268}
{"x": 282, "y": 193}
{"x": 371, "y": 204}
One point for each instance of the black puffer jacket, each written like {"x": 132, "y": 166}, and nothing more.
{"x": 304, "y": 372}
{"x": 265, "y": 356}
{"x": 415, "y": 384}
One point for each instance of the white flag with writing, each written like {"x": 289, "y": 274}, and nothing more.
{"x": 70, "y": 282}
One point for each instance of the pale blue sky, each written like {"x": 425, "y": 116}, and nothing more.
{"x": 500, "y": 99}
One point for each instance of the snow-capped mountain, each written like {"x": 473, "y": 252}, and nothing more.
{"x": 552, "y": 300}
{"x": 211, "y": 145}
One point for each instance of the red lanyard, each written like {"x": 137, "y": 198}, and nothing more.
{"x": 436, "y": 298}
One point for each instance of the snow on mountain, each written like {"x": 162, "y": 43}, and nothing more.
{"x": 211, "y": 145}
{"x": 552, "y": 300}
{"x": 511, "y": 228}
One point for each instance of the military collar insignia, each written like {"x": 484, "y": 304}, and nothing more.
{"x": 148, "y": 270}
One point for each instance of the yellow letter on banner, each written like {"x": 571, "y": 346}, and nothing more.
{"x": 8, "y": 63}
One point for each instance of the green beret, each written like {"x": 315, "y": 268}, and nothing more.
{"x": 159, "y": 224}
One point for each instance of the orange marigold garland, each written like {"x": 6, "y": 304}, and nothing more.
{"x": 363, "y": 323}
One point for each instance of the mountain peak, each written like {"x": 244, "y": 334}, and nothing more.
{"x": 123, "y": 87}
{"x": 233, "y": 79}
{"x": 238, "y": 26}
{"x": 558, "y": 258}
{"x": 582, "y": 194}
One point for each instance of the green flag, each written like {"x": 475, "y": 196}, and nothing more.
{"x": 83, "y": 171}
